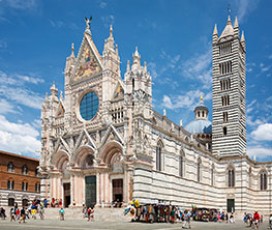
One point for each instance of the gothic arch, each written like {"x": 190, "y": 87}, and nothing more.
{"x": 83, "y": 157}
{"x": 59, "y": 159}
{"x": 110, "y": 151}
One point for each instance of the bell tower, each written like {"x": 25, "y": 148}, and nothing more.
{"x": 229, "y": 91}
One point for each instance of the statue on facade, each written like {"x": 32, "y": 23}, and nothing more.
{"x": 88, "y": 22}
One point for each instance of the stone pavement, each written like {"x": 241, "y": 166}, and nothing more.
{"x": 55, "y": 224}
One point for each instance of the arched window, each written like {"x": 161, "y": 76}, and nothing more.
{"x": 24, "y": 186}
{"x": 198, "y": 170}
{"x": 10, "y": 184}
{"x": 181, "y": 166}
{"x": 10, "y": 167}
{"x": 263, "y": 181}
{"x": 231, "y": 178}
{"x": 159, "y": 156}
{"x": 37, "y": 187}
{"x": 212, "y": 175}
{"x": 11, "y": 201}
{"x": 24, "y": 170}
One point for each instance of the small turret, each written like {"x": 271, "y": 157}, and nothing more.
{"x": 109, "y": 42}
{"x": 236, "y": 27}
{"x": 215, "y": 34}
{"x": 136, "y": 59}
{"x": 243, "y": 40}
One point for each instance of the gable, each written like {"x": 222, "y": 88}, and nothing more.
{"x": 119, "y": 91}
{"x": 88, "y": 61}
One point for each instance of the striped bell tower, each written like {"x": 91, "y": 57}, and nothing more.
{"x": 229, "y": 91}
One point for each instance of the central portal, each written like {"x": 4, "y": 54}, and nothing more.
{"x": 117, "y": 190}
{"x": 90, "y": 198}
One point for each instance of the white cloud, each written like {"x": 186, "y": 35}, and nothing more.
{"x": 199, "y": 67}
{"x": 108, "y": 20}
{"x": 22, "y": 96}
{"x": 19, "y": 138}
{"x": 6, "y": 107}
{"x": 188, "y": 101}
{"x": 102, "y": 4}
{"x": 33, "y": 80}
{"x": 260, "y": 152}
{"x": 22, "y": 5}
{"x": 245, "y": 7}
{"x": 13, "y": 88}
{"x": 263, "y": 132}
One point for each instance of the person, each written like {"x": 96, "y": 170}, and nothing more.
{"x": 270, "y": 221}
{"x": 41, "y": 211}
{"x": 187, "y": 216}
{"x": 22, "y": 215}
{"x": 256, "y": 219}
{"x": 12, "y": 214}
{"x": 227, "y": 217}
{"x": 231, "y": 219}
{"x": 61, "y": 213}
{"x": 92, "y": 213}
{"x": 3, "y": 213}
{"x": 89, "y": 213}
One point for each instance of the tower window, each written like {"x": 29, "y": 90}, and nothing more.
{"x": 263, "y": 181}
{"x": 225, "y": 100}
{"x": 225, "y": 117}
{"x": 225, "y": 67}
{"x": 225, "y": 84}
{"x": 225, "y": 131}
{"x": 231, "y": 178}
{"x": 158, "y": 157}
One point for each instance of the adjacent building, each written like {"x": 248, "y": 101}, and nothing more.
{"x": 103, "y": 141}
{"x": 19, "y": 181}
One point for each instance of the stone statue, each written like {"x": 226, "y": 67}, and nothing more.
{"x": 88, "y": 22}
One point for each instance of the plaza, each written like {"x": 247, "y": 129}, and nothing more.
{"x": 118, "y": 225}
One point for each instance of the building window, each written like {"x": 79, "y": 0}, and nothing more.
{"x": 225, "y": 67}
{"x": 212, "y": 175}
{"x": 198, "y": 170}
{"x": 36, "y": 172}
{"x": 181, "y": 166}
{"x": 263, "y": 181}
{"x": 231, "y": 178}
{"x": 225, "y": 100}
{"x": 37, "y": 187}
{"x": 24, "y": 186}
{"x": 89, "y": 106}
{"x": 10, "y": 184}
{"x": 225, "y": 131}
{"x": 10, "y": 167}
{"x": 159, "y": 157}
{"x": 25, "y": 170}
{"x": 11, "y": 201}
{"x": 225, "y": 117}
{"x": 225, "y": 84}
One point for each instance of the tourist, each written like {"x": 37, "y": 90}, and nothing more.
{"x": 3, "y": 213}
{"x": 231, "y": 219}
{"x": 256, "y": 219}
{"x": 22, "y": 215}
{"x": 12, "y": 214}
{"x": 61, "y": 213}
{"x": 187, "y": 222}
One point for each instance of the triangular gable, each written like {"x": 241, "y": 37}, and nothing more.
{"x": 88, "y": 59}
{"x": 60, "y": 110}
{"x": 112, "y": 134}
{"x": 85, "y": 139}
{"x": 62, "y": 145}
{"x": 119, "y": 90}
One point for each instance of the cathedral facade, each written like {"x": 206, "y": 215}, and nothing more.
{"x": 102, "y": 141}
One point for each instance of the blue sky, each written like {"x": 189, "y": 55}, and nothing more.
{"x": 173, "y": 37}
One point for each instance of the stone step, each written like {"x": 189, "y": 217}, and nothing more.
{"x": 100, "y": 214}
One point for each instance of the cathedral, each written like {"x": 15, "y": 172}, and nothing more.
{"x": 102, "y": 141}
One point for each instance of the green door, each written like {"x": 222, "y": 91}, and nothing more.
{"x": 90, "y": 182}
{"x": 230, "y": 205}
